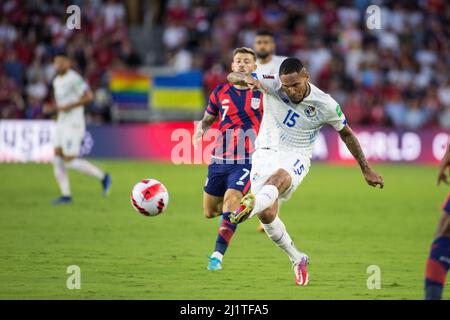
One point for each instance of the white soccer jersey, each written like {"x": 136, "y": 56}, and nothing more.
{"x": 69, "y": 88}
{"x": 272, "y": 67}
{"x": 294, "y": 127}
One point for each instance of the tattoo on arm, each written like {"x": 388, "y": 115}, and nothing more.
{"x": 354, "y": 147}
{"x": 206, "y": 122}
{"x": 237, "y": 78}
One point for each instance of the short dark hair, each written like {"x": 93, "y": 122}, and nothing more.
{"x": 60, "y": 52}
{"x": 265, "y": 33}
{"x": 291, "y": 65}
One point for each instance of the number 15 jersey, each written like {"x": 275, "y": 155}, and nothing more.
{"x": 294, "y": 127}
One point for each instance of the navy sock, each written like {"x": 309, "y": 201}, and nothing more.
{"x": 437, "y": 267}
{"x": 226, "y": 232}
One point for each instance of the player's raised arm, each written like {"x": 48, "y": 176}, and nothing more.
{"x": 352, "y": 143}
{"x": 242, "y": 79}
{"x": 445, "y": 162}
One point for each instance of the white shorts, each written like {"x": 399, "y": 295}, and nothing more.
{"x": 69, "y": 138}
{"x": 266, "y": 162}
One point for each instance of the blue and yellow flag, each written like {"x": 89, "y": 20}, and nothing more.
{"x": 183, "y": 92}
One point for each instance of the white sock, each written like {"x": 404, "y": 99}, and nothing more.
{"x": 62, "y": 178}
{"x": 218, "y": 255}
{"x": 278, "y": 234}
{"x": 86, "y": 167}
{"x": 264, "y": 198}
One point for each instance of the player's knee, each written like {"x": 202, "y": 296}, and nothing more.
{"x": 444, "y": 225}
{"x": 68, "y": 158}
{"x": 58, "y": 152}
{"x": 280, "y": 179}
{"x": 231, "y": 202}
{"x": 210, "y": 213}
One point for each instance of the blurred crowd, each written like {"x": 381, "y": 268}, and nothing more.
{"x": 31, "y": 31}
{"x": 397, "y": 76}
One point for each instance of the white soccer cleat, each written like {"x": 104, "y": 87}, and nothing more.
{"x": 301, "y": 271}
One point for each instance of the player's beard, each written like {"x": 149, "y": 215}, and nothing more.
{"x": 61, "y": 71}
{"x": 296, "y": 101}
{"x": 262, "y": 54}
{"x": 300, "y": 97}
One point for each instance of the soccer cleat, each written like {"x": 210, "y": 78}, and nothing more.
{"x": 214, "y": 264}
{"x": 62, "y": 200}
{"x": 301, "y": 271}
{"x": 246, "y": 207}
{"x": 106, "y": 184}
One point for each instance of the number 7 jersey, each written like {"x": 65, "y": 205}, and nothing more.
{"x": 290, "y": 126}
{"x": 239, "y": 113}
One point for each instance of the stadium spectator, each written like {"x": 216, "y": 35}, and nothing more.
{"x": 31, "y": 32}
{"x": 381, "y": 76}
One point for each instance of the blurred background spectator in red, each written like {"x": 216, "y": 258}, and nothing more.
{"x": 397, "y": 76}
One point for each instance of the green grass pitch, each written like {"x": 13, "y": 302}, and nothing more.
{"x": 343, "y": 224}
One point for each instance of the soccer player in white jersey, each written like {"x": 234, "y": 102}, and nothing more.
{"x": 71, "y": 93}
{"x": 267, "y": 62}
{"x": 295, "y": 110}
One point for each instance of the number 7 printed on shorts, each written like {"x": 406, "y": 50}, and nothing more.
{"x": 241, "y": 179}
{"x": 298, "y": 167}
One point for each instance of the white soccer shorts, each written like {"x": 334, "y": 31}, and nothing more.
{"x": 69, "y": 138}
{"x": 265, "y": 162}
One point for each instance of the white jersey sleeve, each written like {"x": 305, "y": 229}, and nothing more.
{"x": 270, "y": 82}
{"x": 333, "y": 113}
{"x": 79, "y": 85}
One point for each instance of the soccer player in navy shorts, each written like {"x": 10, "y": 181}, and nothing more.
{"x": 239, "y": 111}
{"x": 438, "y": 262}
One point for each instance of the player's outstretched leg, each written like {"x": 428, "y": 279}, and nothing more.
{"x": 276, "y": 231}
{"x": 252, "y": 204}
{"x": 438, "y": 262}
{"x": 62, "y": 178}
{"x": 85, "y": 167}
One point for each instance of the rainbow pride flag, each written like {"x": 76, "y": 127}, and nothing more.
{"x": 181, "y": 92}
{"x": 130, "y": 89}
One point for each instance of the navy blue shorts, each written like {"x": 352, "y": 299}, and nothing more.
{"x": 446, "y": 205}
{"x": 222, "y": 177}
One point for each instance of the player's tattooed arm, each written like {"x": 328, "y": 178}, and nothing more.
{"x": 352, "y": 143}
{"x": 443, "y": 167}
{"x": 238, "y": 78}
{"x": 202, "y": 127}
{"x": 242, "y": 79}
